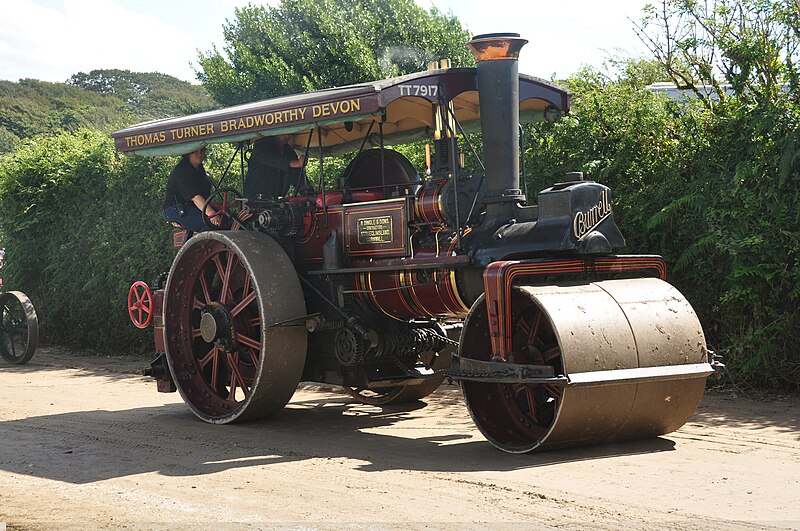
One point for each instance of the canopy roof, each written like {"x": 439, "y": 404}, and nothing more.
{"x": 403, "y": 107}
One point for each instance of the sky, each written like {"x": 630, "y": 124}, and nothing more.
{"x": 51, "y": 40}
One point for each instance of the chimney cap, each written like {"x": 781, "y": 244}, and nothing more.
{"x": 493, "y": 46}
{"x": 494, "y": 36}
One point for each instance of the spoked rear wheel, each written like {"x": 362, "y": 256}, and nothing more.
{"x": 19, "y": 327}
{"x": 225, "y": 292}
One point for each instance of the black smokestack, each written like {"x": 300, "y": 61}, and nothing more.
{"x": 497, "y": 55}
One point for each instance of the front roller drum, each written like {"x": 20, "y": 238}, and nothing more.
{"x": 228, "y": 354}
{"x": 633, "y": 352}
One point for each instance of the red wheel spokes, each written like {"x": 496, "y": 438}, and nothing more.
{"x": 224, "y": 272}
{"x": 225, "y": 208}
{"x": 534, "y": 334}
{"x": 236, "y": 374}
{"x": 246, "y": 287}
{"x": 534, "y": 348}
{"x": 204, "y": 287}
{"x": 226, "y": 205}
{"x": 531, "y": 400}
{"x": 140, "y": 304}
{"x": 249, "y": 342}
{"x": 529, "y": 347}
{"x": 208, "y": 357}
{"x": 243, "y": 304}
{"x": 555, "y": 392}
{"x": 531, "y": 331}
{"x": 551, "y": 353}
{"x": 224, "y": 281}
{"x": 253, "y": 355}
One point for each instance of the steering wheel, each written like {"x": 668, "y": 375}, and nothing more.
{"x": 140, "y": 304}
{"x": 228, "y": 206}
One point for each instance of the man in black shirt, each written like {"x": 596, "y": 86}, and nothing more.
{"x": 188, "y": 187}
{"x": 273, "y": 166}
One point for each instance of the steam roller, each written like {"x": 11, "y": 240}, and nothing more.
{"x": 394, "y": 279}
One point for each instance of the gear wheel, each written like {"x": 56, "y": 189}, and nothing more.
{"x": 349, "y": 348}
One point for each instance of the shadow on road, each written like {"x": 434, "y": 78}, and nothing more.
{"x": 54, "y": 358}
{"x": 89, "y": 446}
{"x": 720, "y": 409}
{"x": 436, "y": 436}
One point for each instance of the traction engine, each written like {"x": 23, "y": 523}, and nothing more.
{"x": 395, "y": 282}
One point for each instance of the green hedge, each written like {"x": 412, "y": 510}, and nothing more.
{"x": 716, "y": 193}
{"x": 79, "y": 225}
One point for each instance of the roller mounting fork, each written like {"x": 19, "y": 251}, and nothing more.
{"x": 499, "y": 277}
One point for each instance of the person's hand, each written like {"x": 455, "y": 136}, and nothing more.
{"x": 299, "y": 163}
{"x": 214, "y": 216}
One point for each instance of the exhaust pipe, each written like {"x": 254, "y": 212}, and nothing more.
{"x": 497, "y": 55}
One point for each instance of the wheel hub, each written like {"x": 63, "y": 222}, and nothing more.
{"x": 215, "y": 323}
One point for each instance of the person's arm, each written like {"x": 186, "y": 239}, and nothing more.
{"x": 270, "y": 154}
{"x": 199, "y": 201}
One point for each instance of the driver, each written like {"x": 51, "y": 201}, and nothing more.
{"x": 273, "y": 167}
{"x": 188, "y": 187}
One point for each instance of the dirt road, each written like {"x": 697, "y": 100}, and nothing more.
{"x": 86, "y": 443}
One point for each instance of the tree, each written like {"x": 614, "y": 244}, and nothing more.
{"x": 751, "y": 45}
{"x": 102, "y": 99}
{"x": 31, "y": 107}
{"x": 79, "y": 225}
{"x": 714, "y": 189}
{"x": 745, "y": 183}
{"x": 305, "y": 45}
{"x": 149, "y": 94}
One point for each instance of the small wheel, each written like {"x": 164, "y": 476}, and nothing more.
{"x": 19, "y": 327}
{"x": 140, "y": 304}
{"x": 228, "y": 206}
